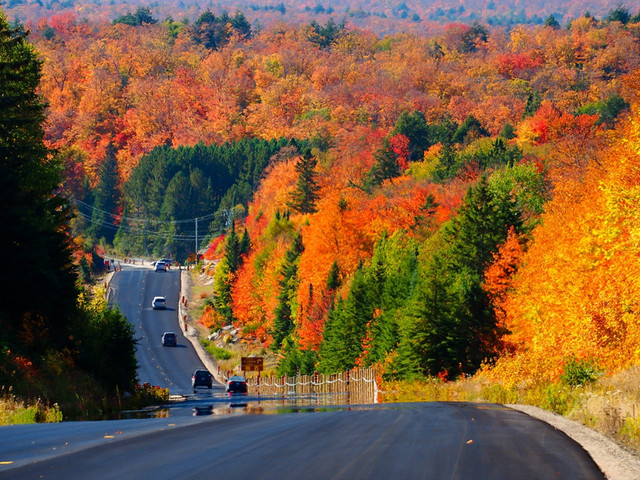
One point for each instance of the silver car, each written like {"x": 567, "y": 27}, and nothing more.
{"x": 159, "y": 303}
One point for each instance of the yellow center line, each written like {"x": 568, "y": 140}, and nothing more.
{"x": 9, "y": 462}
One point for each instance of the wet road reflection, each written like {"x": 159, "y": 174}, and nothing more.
{"x": 205, "y": 404}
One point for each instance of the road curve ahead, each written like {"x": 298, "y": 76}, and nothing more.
{"x": 448, "y": 441}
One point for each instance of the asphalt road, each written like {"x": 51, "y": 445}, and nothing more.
{"x": 132, "y": 290}
{"x": 453, "y": 441}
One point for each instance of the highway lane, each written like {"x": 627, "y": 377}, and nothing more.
{"x": 132, "y": 290}
{"x": 452, "y": 441}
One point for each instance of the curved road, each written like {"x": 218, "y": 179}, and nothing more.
{"x": 449, "y": 441}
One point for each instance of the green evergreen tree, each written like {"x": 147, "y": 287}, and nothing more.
{"x": 294, "y": 360}
{"x": 232, "y": 250}
{"x": 333, "y": 279}
{"x": 448, "y": 163}
{"x": 619, "y": 14}
{"x": 324, "y": 36}
{"x": 141, "y": 16}
{"x": 551, "y": 21}
{"x": 222, "y": 290}
{"x": 415, "y": 127}
{"x": 346, "y": 327}
{"x": 386, "y": 165}
{"x": 35, "y": 240}
{"x": 471, "y": 129}
{"x": 533, "y": 104}
{"x": 106, "y": 200}
{"x": 245, "y": 243}
{"x": 286, "y": 310}
{"x": 456, "y": 329}
{"x": 305, "y": 196}
{"x": 508, "y": 131}
{"x": 436, "y": 341}
{"x": 480, "y": 226}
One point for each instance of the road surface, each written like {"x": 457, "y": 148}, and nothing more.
{"x": 452, "y": 441}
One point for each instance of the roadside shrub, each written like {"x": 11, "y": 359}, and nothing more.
{"x": 147, "y": 394}
{"x": 580, "y": 371}
{"x": 557, "y": 398}
{"x": 630, "y": 432}
{"x": 14, "y": 412}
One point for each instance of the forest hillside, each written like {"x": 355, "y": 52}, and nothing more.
{"x": 433, "y": 203}
{"x": 381, "y": 17}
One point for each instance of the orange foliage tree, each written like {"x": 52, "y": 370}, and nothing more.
{"x": 577, "y": 291}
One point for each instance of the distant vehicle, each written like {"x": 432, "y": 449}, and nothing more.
{"x": 159, "y": 303}
{"x": 161, "y": 267}
{"x": 201, "y": 378}
{"x": 169, "y": 339}
{"x": 236, "y": 385}
{"x": 167, "y": 261}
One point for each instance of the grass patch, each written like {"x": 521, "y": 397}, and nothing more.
{"x": 13, "y": 411}
{"x": 216, "y": 352}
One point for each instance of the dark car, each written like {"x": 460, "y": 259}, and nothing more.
{"x": 201, "y": 378}
{"x": 169, "y": 339}
{"x": 236, "y": 385}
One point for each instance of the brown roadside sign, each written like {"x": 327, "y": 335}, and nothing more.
{"x": 251, "y": 364}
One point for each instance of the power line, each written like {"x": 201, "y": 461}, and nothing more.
{"x": 145, "y": 220}
{"x": 132, "y": 230}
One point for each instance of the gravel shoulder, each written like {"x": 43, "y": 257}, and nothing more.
{"x": 615, "y": 462}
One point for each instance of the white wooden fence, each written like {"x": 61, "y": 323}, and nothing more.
{"x": 359, "y": 385}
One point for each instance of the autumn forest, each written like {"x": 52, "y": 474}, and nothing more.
{"x": 440, "y": 202}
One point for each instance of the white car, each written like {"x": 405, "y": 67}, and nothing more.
{"x": 161, "y": 267}
{"x": 159, "y": 303}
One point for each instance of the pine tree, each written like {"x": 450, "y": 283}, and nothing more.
{"x": 106, "y": 200}
{"x": 288, "y": 288}
{"x": 457, "y": 328}
{"x": 436, "y": 341}
{"x": 386, "y": 165}
{"x": 533, "y": 104}
{"x": 305, "y": 196}
{"x": 232, "y": 250}
{"x": 346, "y": 327}
{"x": 35, "y": 240}
{"x": 333, "y": 279}
{"x": 415, "y": 127}
{"x": 481, "y": 225}
{"x": 245, "y": 243}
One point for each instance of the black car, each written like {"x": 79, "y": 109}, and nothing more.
{"x": 201, "y": 378}
{"x": 169, "y": 339}
{"x": 236, "y": 385}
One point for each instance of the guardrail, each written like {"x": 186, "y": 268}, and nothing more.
{"x": 359, "y": 384}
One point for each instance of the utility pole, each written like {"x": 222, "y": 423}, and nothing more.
{"x": 196, "y": 250}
